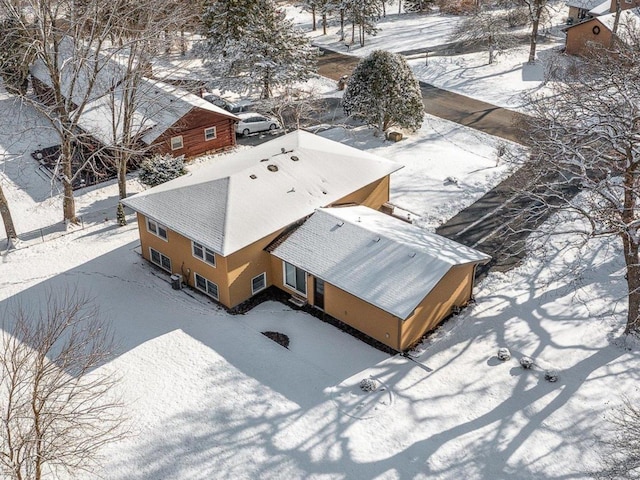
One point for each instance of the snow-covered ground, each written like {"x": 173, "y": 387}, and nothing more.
{"x": 501, "y": 83}
{"x": 207, "y": 396}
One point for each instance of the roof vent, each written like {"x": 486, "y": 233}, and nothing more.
{"x": 412, "y": 254}
{"x": 272, "y": 168}
{"x": 340, "y": 224}
{"x": 252, "y": 176}
{"x": 264, "y": 160}
{"x": 377, "y": 239}
{"x": 283, "y": 150}
{"x": 294, "y": 158}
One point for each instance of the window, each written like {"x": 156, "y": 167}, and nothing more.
{"x": 295, "y": 278}
{"x": 176, "y": 143}
{"x": 206, "y": 286}
{"x": 157, "y": 229}
{"x": 161, "y": 260}
{"x": 209, "y": 133}
{"x": 258, "y": 283}
{"x": 203, "y": 253}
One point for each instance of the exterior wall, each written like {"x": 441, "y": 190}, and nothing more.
{"x": 191, "y": 127}
{"x": 347, "y": 308}
{"x": 232, "y": 274}
{"x": 244, "y": 265}
{"x": 455, "y": 289}
{"x": 372, "y": 195}
{"x": 579, "y": 35}
{"x": 179, "y": 250}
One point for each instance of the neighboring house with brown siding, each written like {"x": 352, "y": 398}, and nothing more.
{"x": 598, "y": 25}
{"x": 270, "y": 215}
{"x": 167, "y": 120}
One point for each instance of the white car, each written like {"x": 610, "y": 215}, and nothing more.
{"x": 254, "y": 122}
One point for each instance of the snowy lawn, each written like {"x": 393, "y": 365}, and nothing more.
{"x": 501, "y": 83}
{"x": 208, "y": 396}
{"x": 439, "y": 151}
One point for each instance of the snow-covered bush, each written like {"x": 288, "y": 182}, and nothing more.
{"x": 160, "y": 169}
{"x": 526, "y": 362}
{"x": 504, "y": 354}
{"x": 551, "y": 376}
{"x": 368, "y": 385}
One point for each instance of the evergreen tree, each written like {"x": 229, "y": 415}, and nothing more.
{"x": 384, "y": 92}
{"x": 364, "y": 14}
{"x": 260, "y": 49}
{"x": 417, "y": 5}
{"x": 229, "y": 20}
{"x": 120, "y": 216}
{"x": 160, "y": 169}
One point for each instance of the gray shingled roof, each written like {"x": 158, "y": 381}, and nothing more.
{"x": 243, "y": 197}
{"x": 378, "y": 258}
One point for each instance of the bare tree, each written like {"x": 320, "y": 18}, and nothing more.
{"x": 293, "y": 106}
{"x": 587, "y": 136}
{"x": 621, "y": 459}
{"x": 487, "y": 28}
{"x": 57, "y": 411}
{"x": 71, "y": 51}
{"x": 536, "y": 9}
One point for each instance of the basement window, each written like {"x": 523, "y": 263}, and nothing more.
{"x": 206, "y": 286}
{"x": 258, "y": 283}
{"x": 159, "y": 259}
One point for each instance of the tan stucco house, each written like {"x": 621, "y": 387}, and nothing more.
{"x": 301, "y": 213}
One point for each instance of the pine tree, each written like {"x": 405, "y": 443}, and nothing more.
{"x": 364, "y": 14}
{"x": 384, "y": 92}
{"x": 120, "y": 216}
{"x": 160, "y": 169}
{"x": 261, "y": 49}
{"x": 229, "y": 20}
{"x": 417, "y": 5}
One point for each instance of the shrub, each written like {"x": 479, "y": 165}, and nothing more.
{"x": 160, "y": 169}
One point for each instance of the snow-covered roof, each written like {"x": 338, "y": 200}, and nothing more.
{"x": 159, "y": 107}
{"x": 628, "y": 20}
{"x": 586, "y": 4}
{"x": 601, "y": 9}
{"x": 77, "y": 76}
{"x": 243, "y": 197}
{"x": 376, "y": 257}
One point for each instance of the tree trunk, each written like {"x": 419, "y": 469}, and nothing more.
{"x": 632, "y": 260}
{"x": 68, "y": 203}
{"x": 313, "y": 18}
{"x": 384, "y": 9}
{"x": 324, "y": 23}
{"x": 122, "y": 175}
{"x": 631, "y": 245}
{"x": 534, "y": 31}
{"x": 399, "y": 7}
{"x": 616, "y": 20}
{"x": 9, "y": 228}
{"x": 342, "y": 25}
{"x": 353, "y": 31}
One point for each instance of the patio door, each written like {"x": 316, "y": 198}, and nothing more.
{"x": 318, "y": 293}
